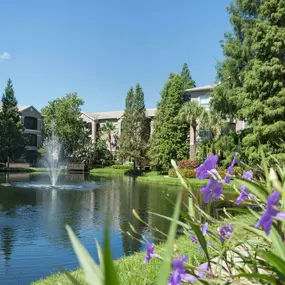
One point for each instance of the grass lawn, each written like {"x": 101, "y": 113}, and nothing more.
{"x": 131, "y": 269}
{"x": 107, "y": 170}
{"x": 169, "y": 180}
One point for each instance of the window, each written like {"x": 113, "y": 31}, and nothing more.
{"x": 31, "y": 123}
{"x": 204, "y": 134}
{"x": 88, "y": 127}
{"x": 205, "y": 101}
{"x": 32, "y": 139}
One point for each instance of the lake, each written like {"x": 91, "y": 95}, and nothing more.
{"x": 33, "y": 219}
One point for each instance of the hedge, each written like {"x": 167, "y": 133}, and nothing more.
{"x": 188, "y": 164}
{"x": 118, "y": 166}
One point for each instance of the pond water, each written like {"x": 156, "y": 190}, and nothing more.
{"x": 33, "y": 218}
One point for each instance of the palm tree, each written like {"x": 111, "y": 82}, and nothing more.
{"x": 109, "y": 128}
{"x": 191, "y": 113}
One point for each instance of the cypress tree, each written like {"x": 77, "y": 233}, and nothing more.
{"x": 169, "y": 139}
{"x": 135, "y": 131}
{"x": 252, "y": 75}
{"x": 12, "y": 143}
{"x": 186, "y": 76}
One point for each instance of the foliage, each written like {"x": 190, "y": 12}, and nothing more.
{"x": 109, "y": 129}
{"x": 65, "y": 112}
{"x": 133, "y": 142}
{"x": 191, "y": 113}
{"x": 187, "y": 173}
{"x": 169, "y": 139}
{"x": 92, "y": 153}
{"x": 12, "y": 142}
{"x": 187, "y": 79}
{"x": 252, "y": 75}
{"x": 233, "y": 244}
{"x": 117, "y": 166}
{"x": 188, "y": 164}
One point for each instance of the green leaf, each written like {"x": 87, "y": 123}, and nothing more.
{"x": 109, "y": 268}
{"x": 256, "y": 276}
{"x": 100, "y": 255}
{"x": 255, "y": 188}
{"x": 196, "y": 228}
{"x": 92, "y": 272}
{"x": 278, "y": 245}
{"x": 166, "y": 264}
{"x": 73, "y": 280}
{"x": 191, "y": 208}
{"x": 274, "y": 261}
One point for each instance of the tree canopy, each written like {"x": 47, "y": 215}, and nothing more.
{"x": 65, "y": 112}
{"x": 12, "y": 142}
{"x": 133, "y": 142}
{"x": 187, "y": 78}
{"x": 169, "y": 139}
{"x": 252, "y": 76}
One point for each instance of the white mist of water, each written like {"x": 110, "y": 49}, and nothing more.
{"x": 52, "y": 159}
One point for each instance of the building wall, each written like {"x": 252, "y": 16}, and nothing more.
{"x": 31, "y": 112}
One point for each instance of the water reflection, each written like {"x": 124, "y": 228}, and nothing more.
{"x": 32, "y": 220}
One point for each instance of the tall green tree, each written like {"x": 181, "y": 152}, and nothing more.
{"x": 187, "y": 78}
{"x": 12, "y": 142}
{"x": 169, "y": 139}
{"x": 65, "y": 112}
{"x": 191, "y": 113}
{"x": 133, "y": 142}
{"x": 109, "y": 129}
{"x": 252, "y": 75}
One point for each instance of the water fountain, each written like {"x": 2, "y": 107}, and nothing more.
{"x": 54, "y": 164}
{"x": 52, "y": 159}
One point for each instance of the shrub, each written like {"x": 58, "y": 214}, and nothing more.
{"x": 187, "y": 173}
{"x": 237, "y": 172}
{"x": 117, "y": 166}
{"x": 188, "y": 164}
{"x": 172, "y": 172}
{"x": 222, "y": 172}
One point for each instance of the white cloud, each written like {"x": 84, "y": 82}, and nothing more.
{"x": 5, "y": 55}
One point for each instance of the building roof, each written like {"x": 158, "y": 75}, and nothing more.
{"x": 22, "y": 108}
{"x": 115, "y": 115}
{"x": 201, "y": 88}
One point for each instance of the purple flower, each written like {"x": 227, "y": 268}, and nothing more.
{"x": 193, "y": 239}
{"x": 231, "y": 168}
{"x": 225, "y": 232}
{"x": 202, "y": 172}
{"x": 202, "y": 270}
{"x": 270, "y": 212}
{"x": 213, "y": 188}
{"x": 150, "y": 253}
{"x": 179, "y": 272}
{"x": 244, "y": 193}
{"x": 205, "y": 229}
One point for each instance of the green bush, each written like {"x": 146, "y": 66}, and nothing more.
{"x": 172, "y": 172}
{"x": 117, "y": 166}
{"x": 188, "y": 164}
{"x": 222, "y": 172}
{"x": 237, "y": 171}
{"x": 188, "y": 173}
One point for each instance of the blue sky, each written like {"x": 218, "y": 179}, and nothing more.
{"x": 100, "y": 48}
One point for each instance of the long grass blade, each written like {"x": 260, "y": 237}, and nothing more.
{"x": 166, "y": 264}
{"x": 92, "y": 271}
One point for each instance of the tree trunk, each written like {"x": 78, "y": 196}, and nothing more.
{"x": 8, "y": 162}
{"x": 192, "y": 146}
